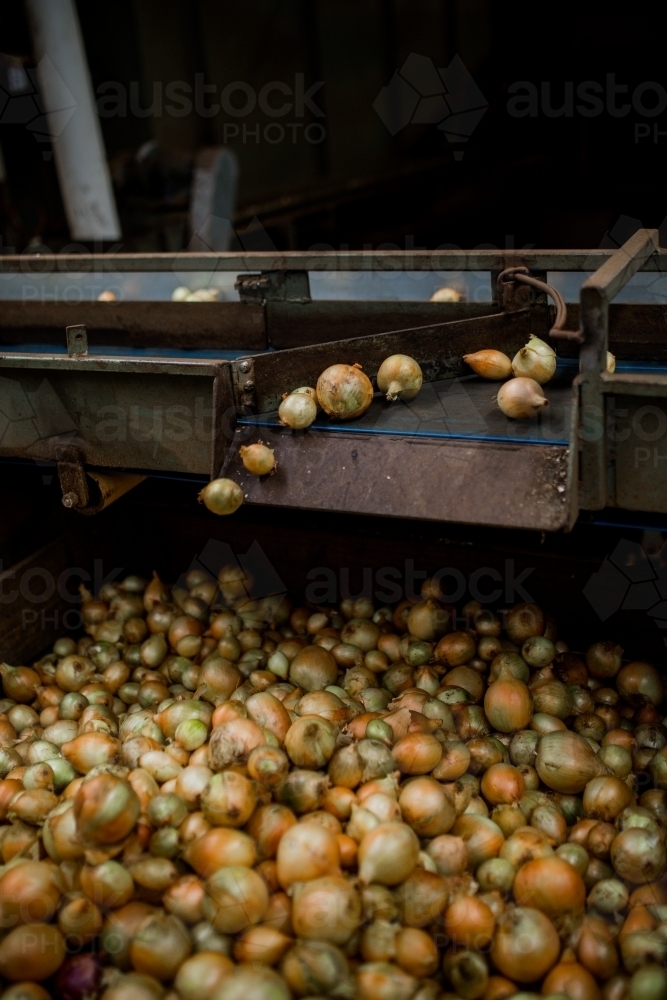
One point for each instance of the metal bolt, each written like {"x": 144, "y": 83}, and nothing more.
{"x": 248, "y": 386}
{"x": 244, "y": 366}
{"x": 70, "y": 500}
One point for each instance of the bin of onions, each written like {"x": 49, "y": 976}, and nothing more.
{"x": 211, "y": 797}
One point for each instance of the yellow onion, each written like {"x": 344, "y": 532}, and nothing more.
{"x": 201, "y": 974}
{"x": 502, "y": 783}
{"x": 640, "y": 684}
{"x": 573, "y": 980}
{"x": 236, "y": 897}
{"x": 326, "y": 909}
{"x": 427, "y": 808}
{"x": 638, "y": 855}
{"x": 35, "y": 948}
{"x": 536, "y": 360}
{"x": 416, "y": 952}
{"x": 19, "y": 683}
{"x": 489, "y": 364}
{"x": 469, "y": 921}
{"x": 417, "y": 753}
{"x": 449, "y": 854}
{"x": 109, "y": 885}
{"x": 160, "y": 946}
{"x": 566, "y": 762}
{"x": 595, "y": 947}
{"x": 313, "y": 669}
{"x": 605, "y": 797}
{"x": 550, "y": 885}
{"x": 311, "y": 741}
{"x": 233, "y": 742}
{"x": 106, "y": 809}
{"x": 521, "y": 398}
{"x": 526, "y": 944}
{"x": 313, "y": 968}
{"x": 258, "y": 459}
{"x": 269, "y": 713}
{"x": 603, "y": 659}
{"x": 261, "y": 944}
{"x": 387, "y": 854}
{"x": 399, "y": 377}
{"x": 218, "y": 847}
{"x": 222, "y": 496}
{"x": 344, "y": 391}
{"x": 508, "y": 705}
{"x": 228, "y": 799}
{"x": 383, "y": 981}
{"x": 306, "y": 852}
{"x": 298, "y": 410}
{"x": 80, "y": 921}
{"x": 29, "y": 893}
{"x": 455, "y": 649}
{"x": 91, "y": 750}
{"x": 252, "y": 982}
{"x": 422, "y": 897}
{"x": 483, "y": 838}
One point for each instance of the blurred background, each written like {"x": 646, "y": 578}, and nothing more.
{"x": 337, "y": 123}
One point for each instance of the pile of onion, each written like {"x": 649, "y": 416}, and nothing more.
{"x": 210, "y": 796}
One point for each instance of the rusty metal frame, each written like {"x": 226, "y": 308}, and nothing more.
{"x": 274, "y": 290}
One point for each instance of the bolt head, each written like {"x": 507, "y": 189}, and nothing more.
{"x": 70, "y": 500}
{"x": 244, "y": 367}
{"x": 248, "y": 386}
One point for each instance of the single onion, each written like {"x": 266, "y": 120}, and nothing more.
{"x": 566, "y": 762}
{"x": 572, "y": 980}
{"x": 236, "y": 897}
{"x": 640, "y": 684}
{"x": 222, "y": 496}
{"x": 550, "y": 885}
{"x": 603, "y": 659}
{"x": 306, "y": 852}
{"x": 489, "y": 364}
{"x": 526, "y": 944}
{"x": 469, "y": 921}
{"x": 536, "y": 360}
{"x": 258, "y": 459}
{"x": 298, "y": 410}
{"x": 508, "y": 705}
{"x": 326, "y": 909}
{"x": 521, "y": 398}
{"x": 399, "y": 377}
{"x": 388, "y": 854}
{"x": 344, "y": 391}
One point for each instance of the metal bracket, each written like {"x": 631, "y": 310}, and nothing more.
{"x": 274, "y": 286}
{"x": 243, "y": 381}
{"x": 512, "y": 296}
{"x": 77, "y": 341}
{"x": 72, "y": 476}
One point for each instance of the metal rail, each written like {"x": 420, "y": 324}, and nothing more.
{"x": 348, "y": 260}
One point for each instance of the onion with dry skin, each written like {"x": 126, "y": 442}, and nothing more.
{"x": 521, "y": 398}
{"x": 399, "y": 377}
{"x": 222, "y": 496}
{"x": 489, "y": 364}
{"x": 258, "y": 459}
{"x": 344, "y": 391}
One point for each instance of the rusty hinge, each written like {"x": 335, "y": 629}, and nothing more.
{"x": 72, "y": 476}
{"x": 243, "y": 382}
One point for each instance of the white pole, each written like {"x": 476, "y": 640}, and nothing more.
{"x": 74, "y": 126}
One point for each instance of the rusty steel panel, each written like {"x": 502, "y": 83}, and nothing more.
{"x": 297, "y": 325}
{"x": 119, "y": 414}
{"x": 298, "y": 260}
{"x": 482, "y": 483}
{"x": 210, "y": 325}
{"x": 438, "y": 349}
